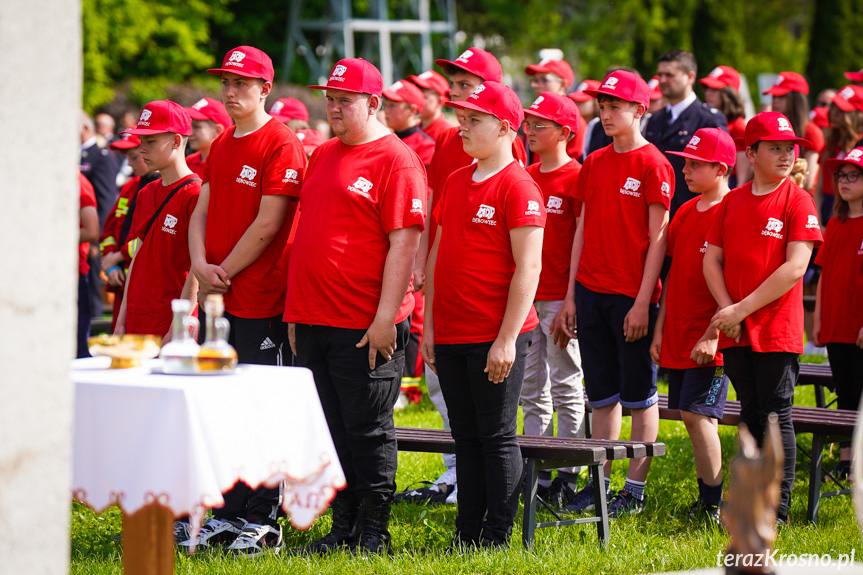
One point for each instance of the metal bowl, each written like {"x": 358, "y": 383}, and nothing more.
{"x": 125, "y": 350}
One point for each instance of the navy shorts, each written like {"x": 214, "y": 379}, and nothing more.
{"x": 700, "y": 390}
{"x": 614, "y": 370}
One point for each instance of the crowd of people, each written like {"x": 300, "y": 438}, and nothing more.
{"x": 538, "y": 256}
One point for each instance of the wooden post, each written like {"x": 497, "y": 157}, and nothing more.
{"x": 148, "y": 541}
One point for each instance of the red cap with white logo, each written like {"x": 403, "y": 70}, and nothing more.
{"x": 710, "y": 145}
{"x": 653, "y": 85}
{"x": 246, "y": 61}
{"x": 478, "y": 62}
{"x": 818, "y": 116}
{"x": 624, "y": 85}
{"x": 285, "y": 109}
{"x": 771, "y": 126}
{"x": 580, "y": 93}
{"x": 126, "y": 142}
{"x": 404, "y": 91}
{"x": 431, "y": 80}
{"x": 720, "y": 77}
{"x": 496, "y": 99}
{"x": 855, "y": 76}
{"x": 849, "y": 98}
{"x": 557, "y": 108}
{"x": 210, "y": 109}
{"x": 311, "y": 139}
{"x": 354, "y": 75}
{"x": 853, "y": 158}
{"x": 162, "y": 116}
{"x": 549, "y": 66}
{"x": 788, "y": 82}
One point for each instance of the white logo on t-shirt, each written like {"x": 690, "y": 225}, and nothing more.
{"x": 537, "y": 102}
{"x": 416, "y": 206}
{"x": 362, "y": 187}
{"x": 477, "y": 92}
{"x": 630, "y": 188}
{"x": 784, "y": 125}
{"x": 170, "y": 222}
{"x": 464, "y": 57}
{"x": 693, "y": 142}
{"x": 666, "y": 189}
{"x": 703, "y": 249}
{"x": 610, "y": 83}
{"x": 145, "y": 115}
{"x": 554, "y": 205}
{"x": 773, "y": 228}
{"x": 247, "y": 175}
{"x": 532, "y": 209}
{"x": 484, "y": 215}
{"x": 812, "y": 222}
{"x": 290, "y": 177}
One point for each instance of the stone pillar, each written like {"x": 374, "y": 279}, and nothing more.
{"x": 40, "y": 98}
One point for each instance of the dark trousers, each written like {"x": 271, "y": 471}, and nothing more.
{"x": 765, "y": 383}
{"x": 83, "y": 316}
{"x": 358, "y": 402}
{"x": 258, "y": 341}
{"x": 483, "y": 418}
{"x": 846, "y": 363}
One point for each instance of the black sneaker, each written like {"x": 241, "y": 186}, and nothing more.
{"x": 434, "y": 494}
{"x": 182, "y": 531}
{"x": 582, "y": 501}
{"x": 215, "y": 532}
{"x": 625, "y": 503}
{"x": 256, "y": 539}
{"x": 559, "y": 494}
{"x": 701, "y": 511}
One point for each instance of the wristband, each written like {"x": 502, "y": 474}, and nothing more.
{"x": 115, "y": 268}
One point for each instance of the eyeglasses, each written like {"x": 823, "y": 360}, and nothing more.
{"x": 849, "y": 177}
{"x": 544, "y": 79}
{"x": 528, "y": 127}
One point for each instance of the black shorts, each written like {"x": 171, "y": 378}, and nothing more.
{"x": 614, "y": 370}
{"x": 700, "y": 390}
{"x": 260, "y": 340}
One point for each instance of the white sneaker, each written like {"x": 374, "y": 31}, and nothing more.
{"x": 215, "y": 532}
{"x": 448, "y": 477}
{"x": 256, "y": 539}
{"x": 452, "y": 498}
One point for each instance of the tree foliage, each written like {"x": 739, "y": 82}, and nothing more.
{"x": 836, "y": 44}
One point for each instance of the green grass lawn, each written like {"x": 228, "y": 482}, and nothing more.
{"x": 656, "y": 540}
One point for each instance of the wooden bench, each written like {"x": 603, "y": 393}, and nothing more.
{"x": 826, "y": 426}
{"x": 819, "y": 376}
{"x": 546, "y": 453}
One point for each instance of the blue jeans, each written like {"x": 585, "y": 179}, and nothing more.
{"x": 483, "y": 418}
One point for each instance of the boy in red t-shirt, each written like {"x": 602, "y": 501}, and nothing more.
{"x": 238, "y": 240}
{"x": 435, "y": 88}
{"x": 556, "y": 76}
{"x": 485, "y": 267}
{"x": 838, "y": 310}
{"x": 684, "y": 342}
{"x": 553, "y": 378}
{"x": 209, "y": 119}
{"x": 758, "y": 250}
{"x": 89, "y": 218}
{"x": 617, "y": 254}
{"x": 403, "y": 102}
{"x": 159, "y": 271}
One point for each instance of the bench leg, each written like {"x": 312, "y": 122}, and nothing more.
{"x": 598, "y": 476}
{"x": 819, "y": 396}
{"x": 815, "y": 478}
{"x": 528, "y": 528}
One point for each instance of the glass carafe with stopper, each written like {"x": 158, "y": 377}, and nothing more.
{"x": 178, "y": 355}
{"x": 216, "y": 354}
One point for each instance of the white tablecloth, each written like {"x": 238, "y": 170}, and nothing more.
{"x": 141, "y": 437}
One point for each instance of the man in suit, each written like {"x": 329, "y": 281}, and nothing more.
{"x": 671, "y": 128}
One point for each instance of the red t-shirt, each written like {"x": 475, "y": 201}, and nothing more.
{"x": 753, "y": 232}
{"x": 562, "y": 209}
{"x": 267, "y": 162}
{"x": 689, "y": 305}
{"x": 826, "y": 171}
{"x": 475, "y": 265}
{"x": 419, "y": 142}
{"x": 87, "y": 199}
{"x": 841, "y": 261}
{"x": 737, "y": 130}
{"x": 352, "y": 198}
{"x": 196, "y": 163}
{"x": 815, "y": 136}
{"x": 162, "y": 263}
{"x": 448, "y": 157}
{"x": 437, "y": 127}
{"x": 616, "y": 190}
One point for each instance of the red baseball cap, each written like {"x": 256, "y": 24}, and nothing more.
{"x": 246, "y": 61}
{"x": 653, "y": 86}
{"x": 431, "y": 80}
{"x": 710, "y": 145}
{"x": 549, "y": 66}
{"x": 210, "y": 109}
{"x": 404, "y": 91}
{"x": 285, "y": 109}
{"x": 126, "y": 141}
{"x": 580, "y": 95}
{"x": 849, "y": 98}
{"x": 162, "y": 116}
{"x": 855, "y": 76}
{"x": 478, "y": 62}
{"x": 818, "y": 116}
{"x": 854, "y": 158}
{"x": 788, "y": 82}
{"x": 354, "y": 75}
{"x": 556, "y": 108}
{"x": 720, "y": 77}
{"x": 311, "y": 139}
{"x": 496, "y": 99}
{"x": 771, "y": 126}
{"x": 624, "y": 85}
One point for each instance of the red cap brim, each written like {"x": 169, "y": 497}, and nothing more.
{"x": 238, "y": 72}
{"x": 336, "y": 88}
{"x": 802, "y": 141}
{"x": 146, "y": 132}
{"x": 714, "y": 83}
{"x": 580, "y": 97}
{"x": 843, "y": 104}
{"x": 124, "y": 144}
{"x": 699, "y": 158}
{"x": 854, "y": 77}
{"x": 196, "y": 114}
{"x": 777, "y": 91}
